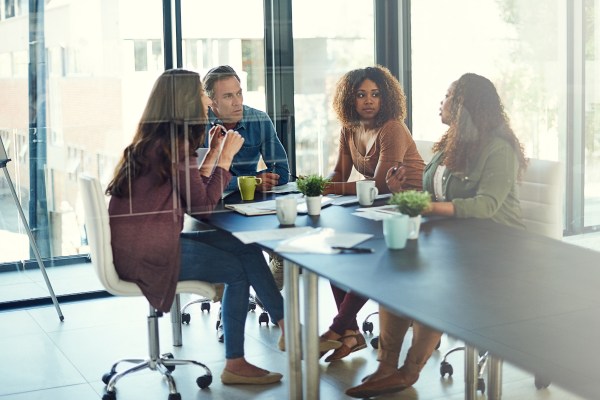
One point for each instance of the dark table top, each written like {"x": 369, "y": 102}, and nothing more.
{"x": 531, "y": 300}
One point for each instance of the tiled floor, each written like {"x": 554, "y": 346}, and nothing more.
{"x": 48, "y": 359}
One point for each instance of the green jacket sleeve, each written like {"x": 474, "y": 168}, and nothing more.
{"x": 493, "y": 179}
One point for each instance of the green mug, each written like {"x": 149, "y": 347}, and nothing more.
{"x": 247, "y": 186}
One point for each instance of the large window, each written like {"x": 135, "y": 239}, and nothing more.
{"x": 227, "y": 32}
{"x": 330, "y": 39}
{"x": 543, "y": 60}
{"x": 97, "y": 66}
{"x": 591, "y": 110}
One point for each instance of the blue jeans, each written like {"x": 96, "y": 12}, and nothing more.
{"x": 219, "y": 257}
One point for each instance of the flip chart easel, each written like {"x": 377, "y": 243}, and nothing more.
{"x": 3, "y": 161}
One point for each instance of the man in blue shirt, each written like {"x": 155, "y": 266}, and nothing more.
{"x": 222, "y": 86}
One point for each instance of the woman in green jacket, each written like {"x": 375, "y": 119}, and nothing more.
{"x": 473, "y": 174}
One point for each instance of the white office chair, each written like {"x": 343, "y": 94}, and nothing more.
{"x": 98, "y": 232}
{"x": 424, "y": 149}
{"x": 540, "y": 195}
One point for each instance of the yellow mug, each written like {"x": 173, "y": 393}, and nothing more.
{"x": 247, "y": 186}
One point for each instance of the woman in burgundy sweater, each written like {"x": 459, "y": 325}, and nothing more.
{"x": 155, "y": 183}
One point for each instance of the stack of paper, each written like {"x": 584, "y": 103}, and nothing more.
{"x": 377, "y": 213}
{"x": 322, "y": 241}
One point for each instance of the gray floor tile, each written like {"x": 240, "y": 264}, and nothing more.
{"x": 67, "y": 359}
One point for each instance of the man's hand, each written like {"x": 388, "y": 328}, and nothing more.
{"x": 269, "y": 180}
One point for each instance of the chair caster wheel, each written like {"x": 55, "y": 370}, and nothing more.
{"x": 186, "y": 318}
{"x": 204, "y": 381}
{"x": 174, "y": 396}
{"x": 169, "y": 356}
{"x": 375, "y": 342}
{"x": 264, "y": 317}
{"x": 205, "y": 307}
{"x": 109, "y": 396}
{"x": 481, "y": 385}
{"x": 107, "y": 377}
{"x": 446, "y": 368}
{"x": 541, "y": 383}
{"x": 367, "y": 327}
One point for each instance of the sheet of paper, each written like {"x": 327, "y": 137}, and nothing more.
{"x": 254, "y": 208}
{"x": 377, "y": 213}
{"x": 272, "y": 234}
{"x": 321, "y": 241}
{"x": 352, "y": 199}
{"x": 289, "y": 187}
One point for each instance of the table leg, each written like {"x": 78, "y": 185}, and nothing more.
{"x": 292, "y": 328}
{"x": 494, "y": 391}
{"x": 470, "y": 373}
{"x": 176, "y": 321}
{"x": 310, "y": 336}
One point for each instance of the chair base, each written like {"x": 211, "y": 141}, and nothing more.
{"x": 446, "y": 368}
{"x": 165, "y": 364}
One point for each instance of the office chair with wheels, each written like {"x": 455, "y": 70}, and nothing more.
{"x": 541, "y": 208}
{"x": 424, "y": 147}
{"x": 98, "y": 232}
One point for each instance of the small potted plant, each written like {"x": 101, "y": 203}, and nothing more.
{"x": 412, "y": 203}
{"x": 312, "y": 187}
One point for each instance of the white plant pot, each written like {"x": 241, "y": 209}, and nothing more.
{"x": 313, "y": 205}
{"x": 414, "y": 224}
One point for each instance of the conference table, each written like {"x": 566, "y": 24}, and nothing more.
{"x": 527, "y": 299}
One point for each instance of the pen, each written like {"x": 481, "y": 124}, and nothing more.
{"x": 359, "y": 250}
{"x": 223, "y": 130}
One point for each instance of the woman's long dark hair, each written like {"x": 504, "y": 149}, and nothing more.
{"x": 174, "y": 108}
{"x": 476, "y": 116}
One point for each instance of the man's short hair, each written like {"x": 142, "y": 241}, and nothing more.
{"x": 216, "y": 74}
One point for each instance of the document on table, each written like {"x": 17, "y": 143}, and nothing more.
{"x": 322, "y": 241}
{"x": 352, "y": 199}
{"x": 271, "y": 234}
{"x": 377, "y": 213}
{"x": 290, "y": 187}
{"x": 258, "y": 208}
{"x": 269, "y": 206}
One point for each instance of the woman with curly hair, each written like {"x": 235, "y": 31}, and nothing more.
{"x": 473, "y": 174}
{"x": 371, "y": 106}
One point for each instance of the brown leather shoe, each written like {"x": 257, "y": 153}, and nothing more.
{"x": 390, "y": 384}
{"x": 344, "y": 350}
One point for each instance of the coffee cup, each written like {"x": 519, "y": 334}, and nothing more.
{"x": 366, "y": 191}
{"x": 396, "y": 229}
{"x": 287, "y": 210}
{"x": 247, "y": 186}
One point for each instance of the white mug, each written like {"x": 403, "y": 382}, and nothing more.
{"x": 287, "y": 210}
{"x": 366, "y": 191}
{"x": 395, "y": 231}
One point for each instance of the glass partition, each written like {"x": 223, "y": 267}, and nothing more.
{"x": 95, "y": 65}
{"x": 591, "y": 51}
